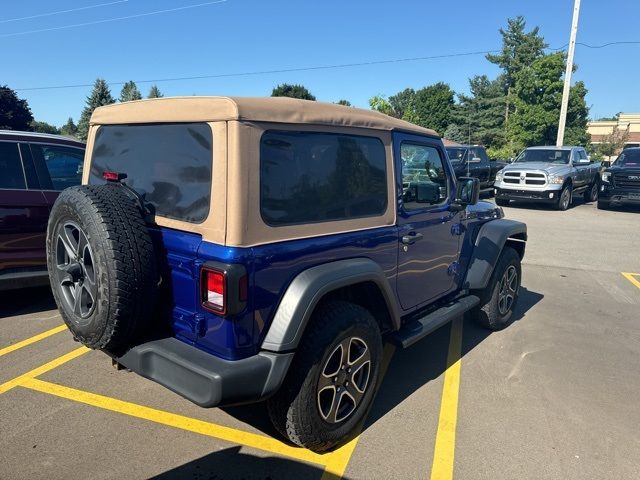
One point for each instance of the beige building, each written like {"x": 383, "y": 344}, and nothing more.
{"x": 628, "y": 125}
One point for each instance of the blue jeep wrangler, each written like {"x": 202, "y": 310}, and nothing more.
{"x": 237, "y": 250}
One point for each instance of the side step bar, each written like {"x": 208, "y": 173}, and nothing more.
{"x": 420, "y": 328}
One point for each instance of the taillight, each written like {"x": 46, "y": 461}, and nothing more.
{"x": 213, "y": 290}
{"x": 223, "y": 288}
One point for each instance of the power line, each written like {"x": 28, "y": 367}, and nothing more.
{"x": 107, "y": 20}
{"x": 306, "y": 69}
{"x": 48, "y": 14}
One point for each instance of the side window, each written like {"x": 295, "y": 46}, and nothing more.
{"x": 63, "y": 164}
{"x": 424, "y": 178}
{"x": 319, "y": 177}
{"x": 11, "y": 173}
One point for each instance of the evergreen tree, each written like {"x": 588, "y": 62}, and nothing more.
{"x": 346, "y": 103}
{"x": 456, "y": 133}
{"x": 69, "y": 129}
{"x": 293, "y": 91}
{"x": 154, "y": 92}
{"x": 434, "y": 107}
{"x": 130, "y": 92}
{"x": 519, "y": 50}
{"x": 100, "y": 95}
{"x": 15, "y": 113}
{"x": 44, "y": 127}
{"x": 483, "y": 111}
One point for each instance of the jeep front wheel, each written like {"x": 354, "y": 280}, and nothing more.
{"x": 331, "y": 383}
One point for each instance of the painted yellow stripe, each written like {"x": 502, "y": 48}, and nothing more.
{"x": 443, "y": 455}
{"x": 42, "y": 369}
{"x": 340, "y": 458}
{"x": 162, "y": 417}
{"x": 34, "y": 339}
{"x": 632, "y": 278}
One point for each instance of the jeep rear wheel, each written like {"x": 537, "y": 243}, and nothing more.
{"x": 500, "y": 297}
{"x": 101, "y": 265}
{"x": 331, "y": 383}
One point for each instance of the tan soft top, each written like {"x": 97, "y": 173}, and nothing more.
{"x": 259, "y": 109}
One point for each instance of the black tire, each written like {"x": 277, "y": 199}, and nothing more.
{"x": 490, "y": 313}
{"x": 591, "y": 195}
{"x": 106, "y": 294}
{"x": 565, "y": 198}
{"x": 295, "y": 410}
{"x": 502, "y": 202}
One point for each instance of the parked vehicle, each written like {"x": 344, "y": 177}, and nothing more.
{"x": 621, "y": 181}
{"x": 554, "y": 175}
{"x": 34, "y": 167}
{"x": 236, "y": 249}
{"x": 472, "y": 161}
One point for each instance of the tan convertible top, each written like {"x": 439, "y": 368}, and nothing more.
{"x": 259, "y": 109}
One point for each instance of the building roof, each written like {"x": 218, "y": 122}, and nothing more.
{"x": 259, "y": 109}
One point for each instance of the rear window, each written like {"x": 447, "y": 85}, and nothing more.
{"x": 308, "y": 177}
{"x": 169, "y": 164}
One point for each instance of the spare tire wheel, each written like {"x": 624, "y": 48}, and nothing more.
{"x": 101, "y": 265}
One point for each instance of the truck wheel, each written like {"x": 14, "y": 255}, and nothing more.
{"x": 101, "y": 265}
{"x": 502, "y": 203}
{"x": 331, "y": 382}
{"x": 500, "y": 296}
{"x": 591, "y": 195}
{"x": 564, "y": 200}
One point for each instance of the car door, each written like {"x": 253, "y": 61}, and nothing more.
{"x": 582, "y": 169}
{"x": 23, "y": 214}
{"x": 428, "y": 241}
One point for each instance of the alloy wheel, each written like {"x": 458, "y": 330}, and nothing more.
{"x": 508, "y": 290}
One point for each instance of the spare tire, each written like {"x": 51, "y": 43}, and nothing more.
{"x": 101, "y": 265}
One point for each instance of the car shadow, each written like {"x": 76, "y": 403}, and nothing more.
{"x": 232, "y": 463}
{"x": 26, "y": 301}
{"x": 410, "y": 369}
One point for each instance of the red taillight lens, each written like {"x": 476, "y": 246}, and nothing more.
{"x": 213, "y": 291}
{"x": 113, "y": 176}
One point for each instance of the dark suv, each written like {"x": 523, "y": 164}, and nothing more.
{"x": 244, "y": 249}
{"x": 34, "y": 168}
{"x": 621, "y": 181}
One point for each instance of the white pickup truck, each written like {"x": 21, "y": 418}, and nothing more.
{"x": 549, "y": 174}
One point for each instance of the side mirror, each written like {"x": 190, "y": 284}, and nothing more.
{"x": 467, "y": 193}
{"x": 583, "y": 161}
{"x": 475, "y": 160}
{"x": 605, "y": 163}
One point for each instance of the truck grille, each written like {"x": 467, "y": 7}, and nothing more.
{"x": 627, "y": 180}
{"x": 525, "y": 178}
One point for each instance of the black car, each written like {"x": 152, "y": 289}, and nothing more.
{"x": 472, "y": 161}
{"x": 621, "y": 181}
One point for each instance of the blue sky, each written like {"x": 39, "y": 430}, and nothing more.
{"x": 247, "y": 36}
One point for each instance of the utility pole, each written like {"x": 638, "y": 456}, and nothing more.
{"x": 567, "y": 76}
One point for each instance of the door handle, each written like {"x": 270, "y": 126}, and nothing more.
{"x": 411, "y": 238}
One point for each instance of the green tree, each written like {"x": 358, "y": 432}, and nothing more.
{"x": 379, "y": 103}
{"x": 483, "y": 111}
{"x": 100, "y": 95}
{"x": 519, "y": 50}
{"x": 403, "y": 104}
{"x": 69, "y": 129}
{"x": 130, "y": 92}
{"x": 44, "y": 127}
{"x": 434, "y": 107}
{"x": 293, "y": 91}
{"x": 15, "y": 113}
{"x": 346, "y": 103}
{"x": 537, "y": 97}
{"x": 456, "y": 133}
{"x": 154, "y": 92}
{"x": 613, "y": 143}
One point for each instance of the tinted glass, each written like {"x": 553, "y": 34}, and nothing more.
{"x": 456, "y": 154}
{"x": 629, "y": 158}
{"x": 424, "y": 178}
{"x": 11, "y": 174}
{"x": 63, "y": 165}
{"x": 550, "y": 155}
{"x": 169, "y": 164}
{"x": 317, "y": 177}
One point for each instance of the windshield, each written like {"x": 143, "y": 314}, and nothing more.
{"x": 629, "y": 158}
{"x": 456, "y": 154}
{"x": 550, "y": 155}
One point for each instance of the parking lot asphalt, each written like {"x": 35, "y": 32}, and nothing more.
{"x": 553, "y": 396}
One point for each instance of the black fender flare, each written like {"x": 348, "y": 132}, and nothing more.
{"x": 488, "y": 245}
{"x": 308, "y": 288}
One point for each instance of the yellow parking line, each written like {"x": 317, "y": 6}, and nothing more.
{"x": 42, "y": 369}
{"x": 340, "y": 457}
{"x": 260, "y": 442}
{"x": 443, "y": 455}
{"x": 632, "y": 278}
{"x": 34, "y": 339}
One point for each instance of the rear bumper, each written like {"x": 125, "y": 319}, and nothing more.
{"x": 527, "y": 195}
{"x": 205, "y": 379}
